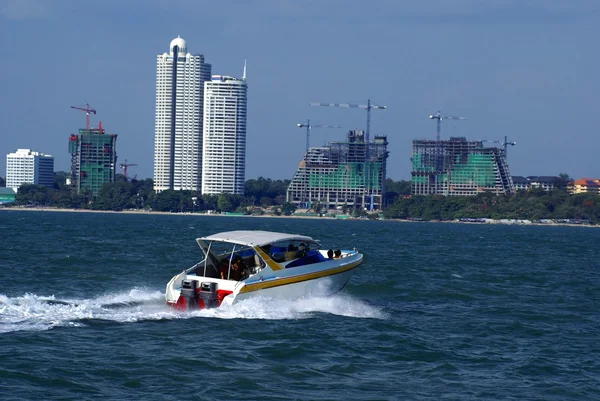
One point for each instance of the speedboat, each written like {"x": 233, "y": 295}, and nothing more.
{"x": 237, "y": 265}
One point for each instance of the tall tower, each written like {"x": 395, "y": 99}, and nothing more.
{"x": 224, "y": 153}
{"x": 180, "y": 80}
{"x": 93, "y": 159}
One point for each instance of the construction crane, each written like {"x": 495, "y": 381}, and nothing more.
{"x": 367, "y": 106}
{"x": 87, "y": 110}
{"x": 124, "y": 167}
{"x": 439, "y": 117}
{"x": 310, "y": 126}
{"x": 504, "y": 144}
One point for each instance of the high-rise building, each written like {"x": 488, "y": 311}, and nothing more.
{"x": 347, "y": 174}
{"x": 93, "y": 159}
{"x": 224, "y": 135}
{"x": 28, "y": 167}
{"x": 180, "y": 80}
{"x": 458, "y": 167}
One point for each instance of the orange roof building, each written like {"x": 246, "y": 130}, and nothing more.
{"x": 583, "y": 185}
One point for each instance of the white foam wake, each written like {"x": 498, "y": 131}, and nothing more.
{"x": 32, "y": 312}
{"x": 266, "y": 308}
{"x": 37, "y": 312}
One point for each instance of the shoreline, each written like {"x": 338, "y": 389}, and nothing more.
{"x": 514, "y": 222}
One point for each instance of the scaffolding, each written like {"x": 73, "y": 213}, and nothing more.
{"x": 458, "y": 167}
{"x": 347, "y": 174}
{"x": 93, "y": 159}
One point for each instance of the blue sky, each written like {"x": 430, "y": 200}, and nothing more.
{"x": 527, "y": 69}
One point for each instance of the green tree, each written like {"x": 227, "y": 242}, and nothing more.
{"x": 288, "y": 209}
{"x": 32, "y": 194}
{"x": 60, "y": 179}
{"x": 562, "y": 182}
{"x": 166, "y": 201}
{"x": 225, "y": 203}
{"x": 2, "y": 182}
{"x": 115, "y": 196}
{"x": 400, "y": 187}
{"x": 266, "y": 201}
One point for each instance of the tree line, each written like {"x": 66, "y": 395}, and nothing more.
{"x": 534, "y": 204}
{"x": 139, "y": 194}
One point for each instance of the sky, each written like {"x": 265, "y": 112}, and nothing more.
{"x": 527, "y": 69}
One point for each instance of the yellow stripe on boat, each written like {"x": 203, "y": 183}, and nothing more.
{"x": 261, "y": 285}
{"x": 272, "y": 264}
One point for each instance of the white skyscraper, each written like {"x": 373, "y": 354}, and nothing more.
{"x": 28, "y": 167}
{"x": 180, "y": 80}
{"x": 224, "y": 152}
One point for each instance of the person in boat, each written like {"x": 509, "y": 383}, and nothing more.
{"x": 239, "y": 271}
{"x": 337, "y": 254}
{"x": 330, "y": 254}
{"x": 291, "y": 252}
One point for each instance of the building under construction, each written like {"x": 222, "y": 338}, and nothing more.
{"x": 343, "y": 174}
{"x": 93, "y": 159}
{"x": 458, "y": 167}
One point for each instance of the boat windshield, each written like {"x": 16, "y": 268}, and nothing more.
{"x": 219, "y": 257}
{"x": 282, "y": 251}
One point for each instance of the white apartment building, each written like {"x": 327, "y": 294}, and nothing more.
{"x": 224, "y": 135}
{"x": 180, "y": 78}
{"x": 28, "y": 167}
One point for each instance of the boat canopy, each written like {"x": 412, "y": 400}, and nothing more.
{"x": 254, "y": 238}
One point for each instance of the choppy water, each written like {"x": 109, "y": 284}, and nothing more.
{"x": 436, "y": 311}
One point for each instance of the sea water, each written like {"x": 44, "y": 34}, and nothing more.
{"x": 436, "y": 311}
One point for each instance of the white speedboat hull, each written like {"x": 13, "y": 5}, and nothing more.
{"x": 321, "y": 286}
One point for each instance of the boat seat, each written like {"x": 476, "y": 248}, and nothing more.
{"x": 253, "y": 263}
{"x": 278, "y": 257}
{"x": 310, "y": 258}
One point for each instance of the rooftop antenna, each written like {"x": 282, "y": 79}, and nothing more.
{"x": 244, "y": 75}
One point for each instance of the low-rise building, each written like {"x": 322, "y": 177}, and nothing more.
{"x": 585, "y": 185}
{"x": 7, "y": 195}
{"x": 521, "y": 183}
{"x": 546, "y": 182}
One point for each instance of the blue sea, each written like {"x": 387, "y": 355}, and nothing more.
{"x": 436, "y": 311}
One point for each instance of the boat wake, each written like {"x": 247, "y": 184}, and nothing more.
{"x": 32, "y": 312}
{"x": 270, "y": 309}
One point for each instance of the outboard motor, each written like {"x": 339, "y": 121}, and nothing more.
{"x": 208, "y": 294}
{"x": 188, "y": 292}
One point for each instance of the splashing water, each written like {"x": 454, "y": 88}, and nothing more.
{"x": 32, "y": 312}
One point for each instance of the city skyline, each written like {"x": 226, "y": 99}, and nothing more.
{"x": 518, "y": 68}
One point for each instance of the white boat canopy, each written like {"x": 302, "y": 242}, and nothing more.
{"x": 254, "y": 238}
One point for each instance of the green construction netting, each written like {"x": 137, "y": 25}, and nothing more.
{"x": 348, "y": 175}
{"x": 478, "y": 171}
